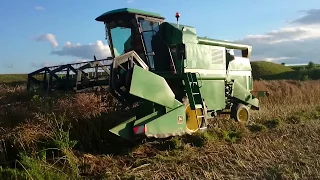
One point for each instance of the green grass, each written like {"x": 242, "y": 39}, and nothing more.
{"x": 273, "y": 71}
{"x": 261, "y": 69}
{"x": 13, "y": 78}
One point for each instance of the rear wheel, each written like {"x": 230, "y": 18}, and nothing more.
{"x": 240, "y": 113}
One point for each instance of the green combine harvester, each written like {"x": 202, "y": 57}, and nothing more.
{"x": 178, "y": 80}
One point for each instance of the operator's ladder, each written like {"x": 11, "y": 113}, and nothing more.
{"x": 195, "y": 98}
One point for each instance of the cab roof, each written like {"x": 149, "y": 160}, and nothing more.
{"x": 123, "y": 11}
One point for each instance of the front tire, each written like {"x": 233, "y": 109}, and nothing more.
{"x": 240, "y": 113}
{"x": 194, "y": 124}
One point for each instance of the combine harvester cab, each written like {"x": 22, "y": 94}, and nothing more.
{"x": 178, "y": 79}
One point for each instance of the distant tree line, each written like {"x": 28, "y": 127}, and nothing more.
{"x": 311, "y": 65}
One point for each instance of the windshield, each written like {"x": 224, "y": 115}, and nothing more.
{"x": 119, "y": 33}
{"x": 120, "y": 39}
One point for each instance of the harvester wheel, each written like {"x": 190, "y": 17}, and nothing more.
{"x": 240, "y": 113}
{"x": 192, "y": 122}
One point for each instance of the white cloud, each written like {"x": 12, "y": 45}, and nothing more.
{"x": 47, "y": 37}
{"x": 80, "y": 60}
{"x": 297, "y": 33}
{"x": 43, "y": 64}
{"x": 130, "y": 1}
{"x": 85, "y": 51}
{"x": 298, "y": 42}
{"x": 40, "y": 8}
{"x": 278, "y": 58}
{"x": 51, "y": 63}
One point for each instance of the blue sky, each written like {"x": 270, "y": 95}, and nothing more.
{"x": 32, "y": 29}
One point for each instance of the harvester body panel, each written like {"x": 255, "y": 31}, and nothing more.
{"x": 172, "y": 123}
{"x": 152, "y": 87}
{"x": 208, "y": 62}
{"x": 243, "y": 94}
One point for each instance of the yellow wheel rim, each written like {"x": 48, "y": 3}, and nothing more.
{"x": 243, "y": 115}
{"x": 191, "y": 119}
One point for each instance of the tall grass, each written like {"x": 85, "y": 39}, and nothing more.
{"x": 287, "y": 97}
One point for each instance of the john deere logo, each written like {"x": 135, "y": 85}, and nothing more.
{"x": 180, "y": 119}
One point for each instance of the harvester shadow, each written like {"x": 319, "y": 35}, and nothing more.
{"x": 94, "y": 137}
{"x": 107, "y": 143}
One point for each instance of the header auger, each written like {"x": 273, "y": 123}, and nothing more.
{"x": 178, "y": 80}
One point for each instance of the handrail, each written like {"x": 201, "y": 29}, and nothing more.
{"x": 200, "y": 79}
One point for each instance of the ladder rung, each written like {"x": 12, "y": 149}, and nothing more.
{"x": 195, "y": 93}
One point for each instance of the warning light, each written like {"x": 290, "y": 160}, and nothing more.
{"x": 177, "y": 15}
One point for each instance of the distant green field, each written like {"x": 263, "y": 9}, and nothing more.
{"x": 272, "y": 71}
{"x": 262, "y": 69}
{"x": 13, "y": 78}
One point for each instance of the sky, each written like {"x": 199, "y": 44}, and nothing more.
{"x": 37, "y": 33}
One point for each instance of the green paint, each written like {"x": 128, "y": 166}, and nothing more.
{"x": 128, "y": 11}
{"x": 125, "y": 129}
{"x": 152, "y": 87}
{"x": 168, "y": 124}
{"x": 226, "y": 44}
{"x": 161, "y": 123}
{"x": 205, "y": 57}
{"x": 213, "y": 91}
{"x": 240, "y": 64}
{"x": 146, "y": 112}
{"x": 203, "y": 62}
{"x": 193, "y": 90}
{"x": 244, "y": 95}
